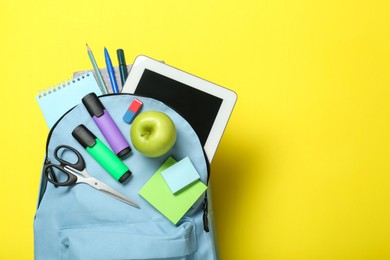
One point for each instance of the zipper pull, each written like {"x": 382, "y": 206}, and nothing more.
{"x": 205, "y": 212}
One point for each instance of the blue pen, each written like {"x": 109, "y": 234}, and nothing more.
{"x": 111, "y": 71}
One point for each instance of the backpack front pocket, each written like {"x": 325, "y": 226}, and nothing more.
{"x": 146, "y": 240}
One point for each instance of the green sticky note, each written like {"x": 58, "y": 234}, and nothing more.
{"x": 159, "y": 195}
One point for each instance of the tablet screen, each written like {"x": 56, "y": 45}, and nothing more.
{"x": 197, "y": 107}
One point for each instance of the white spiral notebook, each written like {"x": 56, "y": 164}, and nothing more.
{"x": 59, "y": 99}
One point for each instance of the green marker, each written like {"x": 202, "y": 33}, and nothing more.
{"x": 101, "y": 153}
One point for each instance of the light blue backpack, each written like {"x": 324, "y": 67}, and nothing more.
{"x": 79, "y": 222}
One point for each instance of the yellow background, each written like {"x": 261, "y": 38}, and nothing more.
{"x": 302, "y": 171}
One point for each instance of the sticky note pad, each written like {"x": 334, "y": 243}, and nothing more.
{"x": 180, "y": 175}
{"x": 160, "y": 196}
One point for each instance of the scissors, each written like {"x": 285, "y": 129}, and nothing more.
{"x": 77, "y": 173}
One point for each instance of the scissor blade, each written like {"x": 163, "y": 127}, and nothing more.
{"x": 101, "y": 186}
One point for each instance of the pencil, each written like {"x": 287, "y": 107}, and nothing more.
{"x": 100, "y": 81}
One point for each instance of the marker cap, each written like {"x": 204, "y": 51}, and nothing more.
{"x": 93, "y": 105}
{"x": 121, "y": 57}
{"x": 85, "y": 137}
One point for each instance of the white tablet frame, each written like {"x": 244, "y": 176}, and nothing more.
{"x": 228, "y": 96}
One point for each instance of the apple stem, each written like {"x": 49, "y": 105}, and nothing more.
{"x": 148, "y": 133}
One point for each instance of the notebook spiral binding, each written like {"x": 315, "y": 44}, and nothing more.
{"x": 45, "y": 92}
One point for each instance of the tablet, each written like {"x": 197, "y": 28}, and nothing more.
{"x": 205, "y": 105}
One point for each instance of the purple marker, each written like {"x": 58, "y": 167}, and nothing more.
{"x": 106, "y": 125}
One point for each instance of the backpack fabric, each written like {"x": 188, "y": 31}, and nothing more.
{"x": 80, "y": 222}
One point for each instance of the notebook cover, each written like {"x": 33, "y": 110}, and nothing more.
{"x": 58, "y": 100}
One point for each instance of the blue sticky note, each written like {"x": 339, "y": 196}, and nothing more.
{"x": 180, "y": 175}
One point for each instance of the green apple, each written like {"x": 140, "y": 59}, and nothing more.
{"x": 153, "y": 133}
